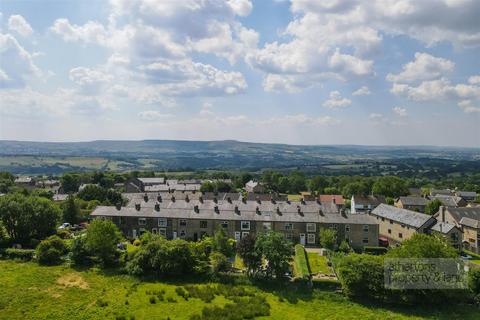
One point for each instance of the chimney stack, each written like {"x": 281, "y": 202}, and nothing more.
{"x": 187, "y": 199}
{"x": 229, "y": 200}
{"x": 442, "y": 211}
{"x": 257, "y": 210}
{"x": 157, "y": 206}
{"x": 118, "y": 206}
{"x": 216, "y": 209}
{"x": 145, "y": 197}
{"x": 237, "y": 211}
{"x": 334, "y": 200}
{"x": 137, "y": 206}
{"x": 159, "y": 198}
{"x": 173, "y": 198}
{"x": 196, "y": 209}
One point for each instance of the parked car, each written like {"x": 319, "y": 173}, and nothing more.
{"x": 64, "y": 225}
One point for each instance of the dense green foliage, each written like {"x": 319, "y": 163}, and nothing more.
{"x": 51, "y": 250}
{"x": 276, "y": 250}
{"x": 26, "y": 217}
{"x": 71, "y": 211}
{"x": 252, "y": 259}
{"x": 104, "y": 196}
{"x": 301, "y": 262}
{"x": 328, "y": 238}
{"x": 20, "y": 254}
{"x": 222, "y": 244}
{"x": 101, "y": 242}
{"x": 433, "y": 206}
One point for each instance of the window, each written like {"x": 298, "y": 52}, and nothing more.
{"x": 142, "y": 221}
{"x": 141, "y": 231}
{"x": 365, "y": 228}
{"x": 267, "y": 226}
{"x": 289, "y": 236}
{"x": 400, "y": 235}
{"x": 162, "y": 232}
{"x": 383, "y": 219}
{"x": 365, "y": 240}
{"x": 121, "y": 220}
{"x": 245, "y": 225}
{"x": 154, "y": 230}
{"x": 203, "y": 224}
{"x": 311, "y": 238}
{"x": 244, "y": 233}
{"x": 183, "y": 222}
{"x": 347, "y": 238}
{"x": 288, "y": 226}
{"x": 224, "y": 224}
{"x": 237, "y": 236}
{"x": 183, "y": 233}
{"x": 454, "y": 236}
{"x": 311, "y": 227}
{"x": 162, "y": 222}
{"x": 390, "y": 231}
{"x": 333, "y": 226}
{"x": 347, "y": 228}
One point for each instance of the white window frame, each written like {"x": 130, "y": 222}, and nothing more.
{"x": 289, "y": 236}
{"x": 365, "y": 240}
{"x": 142, "y": 221}
{"x": 162, "y": 232}
{"x": 182, "y": 222}
{"x": 267, "y": 226}
{"x": 206, "y": 224}
{"x": 224, "y": 224}
{"x": 311, "y": 238}
{"x": 333, "y": 226}
{"x": 162, "y": 222}
{"x": 366, "y": 228}
{"x": 288, "y": 226}
{"x": 245, "y": 233}
{"x": 237, "y": 235}
{"x": 347, "y": 228}
{"x": 243, "y": 225}
{"x": 309, "y": 227}
{"x": 154, "y": 230}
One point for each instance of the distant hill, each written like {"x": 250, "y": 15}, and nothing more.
{"x": 33, "y": 157}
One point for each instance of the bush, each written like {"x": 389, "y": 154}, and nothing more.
{"x": 375, "y": 250}
{"x": 20, "y": 254}
{"x": 241, "y": 308}
{"x": 79, "y": 255}
{"x": 51, "y": 250}
{"x": 474, "y": 281}
{"x": 219, "y": 262}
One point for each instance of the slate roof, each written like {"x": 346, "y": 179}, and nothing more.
{"x": 413, "y": 201}
{"x": 448, "y": 201}
{"x": 23, "y": 180}
{"x": 443, "y": 227}
{"x": 470, "y": 222}
{"x": 247, "y": 210}
{"x": 444, "y": 192}
{"x": 460, "y": 213}
{"x": 155, "y": 180}
{"x": 369, "y": 200}
{"x": 407, "y": 217}
{"x": 468, "y": 194}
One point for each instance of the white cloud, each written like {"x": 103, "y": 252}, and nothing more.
{"x": 363, "y": 91}
{"x": 348, "y": 65}
{"x": 375, "y": 116}
{"x": 91, "y": 32}
{"x": 474, "y": 80}
{"x": 16, "y": 63}
{"x": 152, "y": 115}
{"x": 401, "y": 112}
{"x": 468, "y": 107}
{"x": 336, "y": 101}
{"x": 18, "y": 24}
{"x": 90, "y": 80}
{"x": 424, "y": 67}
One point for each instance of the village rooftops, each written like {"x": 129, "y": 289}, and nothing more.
{"x": 368, "y": 200}
{"x": 23, "y": 180}
{"x": 467, "y": 194}
{"x": 407, "y": 217}
{"x": 151, "y": 181}
{"x": 443, "y": 227}
{"x": 448, "y": 201}
{"x": 413, "y": 201}
{"x": 252, "y": 184}
{"x": 336, "y": 198}
{"x": 472, "y": 223}
{"x": 208, "y": 211}
{"x": 459, "y": 213}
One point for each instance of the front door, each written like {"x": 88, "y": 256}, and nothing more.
{"x": 237, "y": 236}
{"x": 174, "y": 234}
{"x": 134, "y": 233}
{"x": 302, "y": 239}
{"x": 195, "y": 236}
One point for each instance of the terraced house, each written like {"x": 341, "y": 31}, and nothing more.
{"x": 191, "y": 219}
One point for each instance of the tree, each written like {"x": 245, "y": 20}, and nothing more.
{"x": 105, "y": 196}
{"x": 71, "y": 211}
{"x": 221, "y": 243}
{"x": 390, "y": 186}
{"x": 26, "y": 217}
{"x": 251, "y": 258}
{"x": 328, "y": 238}
{"x": 79, "y": 254}
{"x": 344, "y": 247}
{"x": 297, "y": 182}
{"x": 424, "y": 246}
{"x": 276, "y": 250}
{"x": 70, "y": 183}
{"x": 355, "y": 188}
{"x": 6, "y": 181}
{"x": 331, "y": 190}
{"x": 51, "y": 250}
{"x": 318, "y": 184}
{"x": 207, "y": 186}
{"x": 433, "y": 206}
{"x": 283, "y": 184}
{"x": 102, "y": 239}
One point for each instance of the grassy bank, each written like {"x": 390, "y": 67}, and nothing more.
{"x": 29, "y": 291}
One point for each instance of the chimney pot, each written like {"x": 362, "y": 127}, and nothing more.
{"x": 216, "y": 209}
{"x": 173, "y": 198}
{"x": 196, "y": 209}
{"x": 145, "y": 197}
{"x": 137, "y": 206}
{"x": 118, "y": 206}
{"x": 159, "y": 198}
{"x": 187, "y": 199}
{"x": 157, "y": 206}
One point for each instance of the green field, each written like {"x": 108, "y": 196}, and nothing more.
{"x": 29, "y": 291}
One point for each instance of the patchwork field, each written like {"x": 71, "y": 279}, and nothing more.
{"x": 29, "y": 291}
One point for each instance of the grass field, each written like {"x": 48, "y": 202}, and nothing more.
{"x": 29, "y": 291}
{"x": 318, "y": 263}
{"x": 300, "y": 263}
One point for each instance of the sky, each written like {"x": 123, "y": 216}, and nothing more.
{"x": 368, "y": 72}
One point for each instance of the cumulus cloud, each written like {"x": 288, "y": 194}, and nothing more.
{"x": 152, "y": 115}
{"x": 399, "y": 111}
{"x": 424, "y": 67}
{"x": 336, "y": 101}
{"x": 18, "y": 24}
{"x": 468, "y": 106}
{"x": 16, "y": 63}
{"x": 90, "y": 80}
{"x": 375, "y": 116}
{"x": 363, "y": 91}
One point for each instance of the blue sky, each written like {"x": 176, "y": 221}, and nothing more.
{"x": 386, "y": 72}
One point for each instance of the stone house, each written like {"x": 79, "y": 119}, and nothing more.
{"x": 468, "y": 220}
{"x": 412, "y": 203}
